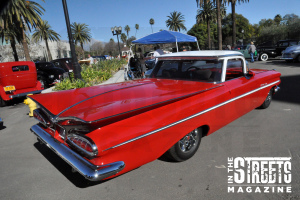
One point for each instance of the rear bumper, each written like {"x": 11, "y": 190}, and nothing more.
{"x": 25, "y": 94}
{"x": 88, "y": 170}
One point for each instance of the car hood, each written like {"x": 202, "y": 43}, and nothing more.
{"x": 127, "y": 98}
{"x": 292, "y": 48}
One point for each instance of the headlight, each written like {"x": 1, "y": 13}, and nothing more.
{"x": 51, "y": 76}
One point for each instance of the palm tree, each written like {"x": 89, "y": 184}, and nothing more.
{"x": 219, "y": 7}
{"x": 44, "y": 32}
{"x": 11, "y": 35}
{"x": 23, "y": 14}
{"x": 151, "y": 22}
{"x": 207, "y": 14}
{"x": 127, "y": 29}
{"x": 233, "y": 4}
{"x": 136, "y": 28}
{"x": 175, "y": 21}
{"x": 81, "y": 34}
{"x": 123, "y": 38}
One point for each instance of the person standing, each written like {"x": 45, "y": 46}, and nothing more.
{"x": 91, "y": 59}
{"x": 251, "y": 51}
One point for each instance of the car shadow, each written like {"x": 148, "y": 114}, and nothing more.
{"x": 282, "y": 63}
{"x": 289, "y": 89}
{"x": 74, "y": 177}
{"x": 65, "y": 169}
{"x": 2, "y": 127}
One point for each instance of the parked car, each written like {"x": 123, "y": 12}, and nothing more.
{"x": 18, "y": 79}
{"x": 268, "y": 50}
{"x": 48, "y": 74}
{"x": 104, "y": 131}
{"x": 244, "y": 49}
{"x": 99, "y": 58}
{"x": 149, "y": 64}
{"x": 64, "y": 63}
{"x": 291, "y": 54}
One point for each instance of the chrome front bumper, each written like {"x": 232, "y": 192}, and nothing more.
{"x": 88, "y": 170}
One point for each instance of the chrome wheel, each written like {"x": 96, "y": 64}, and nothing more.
{"x": 264, "y": 57}
{"x": 189, "y": 141}
{"x": 186, "y": 147}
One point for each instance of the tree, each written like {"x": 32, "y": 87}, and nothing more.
{"x": 199, "y": 31}
{"x": 23, "y": 14}
{"x": 12, "y": 35}
{"x": 220, "y": 8}
{"x": 151, "y": 22}
{"x": 207, "y": 14}
{"x": 123, "y": 38}
{"x": 175, "y": 21}
{"x": 44, "y": 32}
{"x": 242, "y": 23}
{"x": 127, "y": 29}
{"x": 277, "y": 19}
{"x": 81, "y": 34}
{"x": 136, "y": 28}
{"x": 233, "y": 4}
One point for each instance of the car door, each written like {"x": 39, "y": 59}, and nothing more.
{"x": 242, "y": 88}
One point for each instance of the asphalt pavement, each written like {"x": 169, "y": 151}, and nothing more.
{"x": 29, "y": 170}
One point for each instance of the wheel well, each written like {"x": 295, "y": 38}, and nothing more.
{"x": 205, "y": 129}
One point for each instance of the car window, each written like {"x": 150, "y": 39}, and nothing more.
{"x": 234, "y": 69}
{"x": 20, "y": 68}
{"x": 293, "y": 43}
{"x": 194, "y": 70}
{"x": 283, "y": 44}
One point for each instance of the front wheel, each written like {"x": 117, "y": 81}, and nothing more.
{"x": 186, "y": 147}
{"x": 263, "y": 57}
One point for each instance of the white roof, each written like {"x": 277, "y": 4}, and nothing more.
{"x": 204, "y": 53}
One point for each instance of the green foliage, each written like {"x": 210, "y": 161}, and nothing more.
{"x": 200, "y": 31}
{"x": 91, "y": 75}
{"x": 175, "y": 21}
{"x": 242, "y": 23}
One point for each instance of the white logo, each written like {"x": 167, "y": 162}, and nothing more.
{"x": 259, "y": 175}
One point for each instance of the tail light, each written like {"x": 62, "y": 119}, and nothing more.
{"x": 83, "y": 144}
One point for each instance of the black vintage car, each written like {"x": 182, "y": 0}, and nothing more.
{"x": 48, "y": 73}
{"x": 269, "y": 50}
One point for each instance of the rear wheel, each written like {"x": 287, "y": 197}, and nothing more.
{"x": 186, "y": 147}
{"x": 267, "y": 101}
{"x": 263, "y": 57}
{"x": 298, "y": 58}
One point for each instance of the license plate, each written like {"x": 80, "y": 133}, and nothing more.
{"x": 9, "y": 88}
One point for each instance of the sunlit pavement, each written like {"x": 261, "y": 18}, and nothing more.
{"x": 32, "y": 171}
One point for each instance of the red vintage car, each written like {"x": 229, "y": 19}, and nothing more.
{"x": 18, "y": 79}
{"x": 107, "y": 130}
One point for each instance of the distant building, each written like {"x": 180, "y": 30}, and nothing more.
{"x": 38, "y": 51}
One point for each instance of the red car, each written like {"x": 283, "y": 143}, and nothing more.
{"x": 104, "y": 131}
{"x": 18, "y": 79}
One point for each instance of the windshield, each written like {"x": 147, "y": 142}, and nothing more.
{"x": 192, "y": 70}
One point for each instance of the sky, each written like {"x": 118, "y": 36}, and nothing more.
{"x": 101, "y": 15}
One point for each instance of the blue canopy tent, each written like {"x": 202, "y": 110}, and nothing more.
{"x": 163, "y": 37}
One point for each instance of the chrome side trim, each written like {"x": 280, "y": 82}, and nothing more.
{"x": 88, "y": 170}
{"x": 192, "y": 116}
{"x": 24, "y": 94}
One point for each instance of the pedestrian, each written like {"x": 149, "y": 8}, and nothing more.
{"x": 142, "y": 61}
{"x": 157, "y": 51}
{"x": 251, "y": 51}
{"x": 91, "y": 59}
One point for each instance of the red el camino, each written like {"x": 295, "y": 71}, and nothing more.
{"x": 107, "y": 130}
